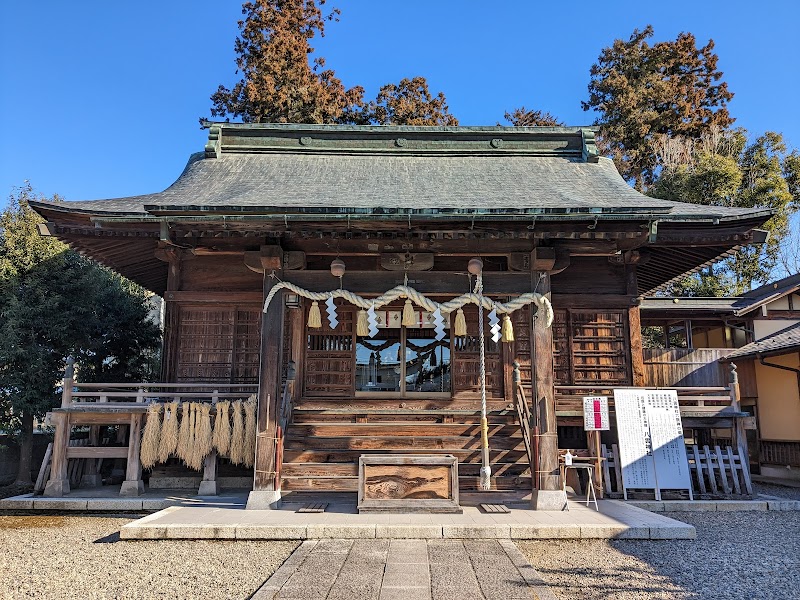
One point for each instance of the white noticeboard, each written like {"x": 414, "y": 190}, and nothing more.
{"x": 651, "y": 447}
{"x": 595, "y": 413}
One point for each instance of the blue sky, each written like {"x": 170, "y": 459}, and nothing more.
{"x": 102, "y": 99}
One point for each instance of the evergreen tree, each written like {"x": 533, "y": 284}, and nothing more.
{"x": 640, "y": 90}
{"x": 54, "y": 303}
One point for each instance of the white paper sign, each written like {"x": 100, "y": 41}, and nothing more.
{"x": 666, "y": 437}
{"x": 595, "y": 413}
{"x": 635, "y": 450}
{"x": 651, "y": 447}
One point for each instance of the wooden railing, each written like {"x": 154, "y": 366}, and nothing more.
{"x": 524, "y": 416}
{"x": 702, "y": 400}
{"x": 118, "y": 395}
{"x": 783, "y": 453}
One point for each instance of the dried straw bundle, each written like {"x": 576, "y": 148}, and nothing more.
{"x": 202, "y": 435}
{"x": 192, "y": 461}
{"x": 184, "y": 434}
{"x": 222, "y": 428}
{"x": 151, "y": 436}
{"x": 237, "y": 437}
{"x": 168, "y": 441}
{"x": 250, "y": 432}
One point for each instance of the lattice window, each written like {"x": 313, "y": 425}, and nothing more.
{"x": 218, "y": 344}
{"x": 590, "y": 348}
{"x": 466, "y": 359}
{"x": 331, "y": 357}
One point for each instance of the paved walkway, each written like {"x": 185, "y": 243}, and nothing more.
{"x": 342, "y": 521}
{"x": 404, "y": 570}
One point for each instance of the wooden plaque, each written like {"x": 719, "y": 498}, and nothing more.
{"x": 408, "y": 483}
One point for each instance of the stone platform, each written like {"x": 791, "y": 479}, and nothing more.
{"x": 342, "y": 521}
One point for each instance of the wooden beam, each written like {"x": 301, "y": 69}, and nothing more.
{"x": 97, "y": 452}
{"x": 215, "y": 297}
{"x": 133, "y": 484}
{"x": 58, "y": 485}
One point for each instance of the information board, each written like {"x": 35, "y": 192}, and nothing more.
{"x": 651, "y": 447}
{"x": 595, "y": 413}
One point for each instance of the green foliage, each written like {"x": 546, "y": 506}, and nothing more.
{"x": 55, "y": 303}
{"x": 724, "y": 170}
{"x": 641, "y": 91}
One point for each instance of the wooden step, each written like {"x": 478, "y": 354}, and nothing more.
{"x": 350, "y": 484}
{"x": 322, "y": 430}
{"x": 463, "y": 455}
{"x": 350, "y": 469}
{"x": 369, "y": 404}
{"x": 415, "y": 443}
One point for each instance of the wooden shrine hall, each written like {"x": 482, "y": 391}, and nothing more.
{"x": 528, "y": 227}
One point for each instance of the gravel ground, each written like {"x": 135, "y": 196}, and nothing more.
{"x": 781, "y": 491}
{"x": 736, "y": 556}
{"x": 82, "y": 557}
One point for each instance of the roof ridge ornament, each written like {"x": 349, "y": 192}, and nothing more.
{"x": 589, "y": 152}
{"x": 214, "y": 145}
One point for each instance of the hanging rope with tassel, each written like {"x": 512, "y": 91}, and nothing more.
{"x": 486, "y": 469}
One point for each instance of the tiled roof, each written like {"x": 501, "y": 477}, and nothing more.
{"x": 300, "y": 169}
{"x": 785, "y": 340}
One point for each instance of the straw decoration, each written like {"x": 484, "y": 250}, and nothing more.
{"x": 249, "y": 457}
{"x": 409, "y": 317}
{"x": 168, "y": 441}
{"x": 202, "y": 434}
{"x": 184, "y": 434}
{"x": 362, "y": 324}
{"x": 460, "y": 327}
{"x": 236, "y": 453}
{"x": 222, "y": 428}
{"x": 150, "y": 436}
{"x": 507, "y": 330}
{"x": 314, "y": 316}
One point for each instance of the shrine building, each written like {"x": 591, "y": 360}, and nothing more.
{"x": 274, "y": 252}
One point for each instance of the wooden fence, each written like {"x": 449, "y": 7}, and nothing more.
{"x": 714, "y": 472}
{"x": 687, "y": 367}
{"x": 781, "y": 453}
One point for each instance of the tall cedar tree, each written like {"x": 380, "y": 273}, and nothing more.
{"x": 280, "y": 85}
{"x": 640, "y": 91}
{"x": 55, "y": 303}
{"x": 522, "y": 117}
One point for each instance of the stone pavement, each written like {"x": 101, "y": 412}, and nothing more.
{"x": 614, "y": 520}
{"x": 406, "y": 569}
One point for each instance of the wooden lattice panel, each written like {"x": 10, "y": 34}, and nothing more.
{"x": 590, "y": 348}
{"x": 331, "y": 357}
{"x": 218, "y": 344}
{"x": 466, "y": 359}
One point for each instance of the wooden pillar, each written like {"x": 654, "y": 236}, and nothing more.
{"x": 173, "y": 257}
{"x": 133, "y": 484}
{"x": 208, "y": 486}
{"x": 635, "y": 331}
{"x": 738, "y": 433}
{"x": 544, "y": 402}
{"x": 269, "y": 384}
{"x": 91, "y": 477}
{"x": 58, "y": 485}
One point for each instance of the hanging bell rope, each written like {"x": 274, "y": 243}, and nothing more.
{"x": 404, "y": 291}
{"x": 486, "y": 469}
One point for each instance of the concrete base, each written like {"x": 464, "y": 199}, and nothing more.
{"x": 56, "y": 488}
{"x": 207, "y": 488}
{"x": 263, "y": 500}
{"x": 548, "y": 500}
{"x": 132, "y": 488}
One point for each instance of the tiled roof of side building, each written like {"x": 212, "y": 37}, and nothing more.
{"x": 330, "y": 169}
{"x": 785, "y": 340}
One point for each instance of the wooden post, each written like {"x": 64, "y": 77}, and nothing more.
{"x": 635, "y": 331}
{"x": 69, "y": 383}
{"x": 58, "y": 485}
{"x": 549, "y": 494}
{"x": 133, "y": 484}
{"x": 738, "y": 432}
{"x": 172, "y": 256}
{"x": 264, "y": 494}
{"x": 593, "y": 439}
{"x": 208, "y": 487}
